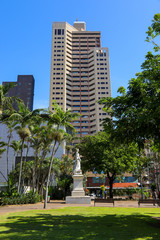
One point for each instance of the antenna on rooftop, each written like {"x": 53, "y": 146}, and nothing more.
{"x": 76, "y": 19}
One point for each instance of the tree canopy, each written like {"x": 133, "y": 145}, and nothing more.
{"x": 102, "y": 153}
{"x": 136, "y": 112}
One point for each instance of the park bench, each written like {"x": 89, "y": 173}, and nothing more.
{"x": 148, "y": 201}
{"x": 99, "y": 200}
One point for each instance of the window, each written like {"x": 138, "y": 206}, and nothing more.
{"x": 97, "y": 180}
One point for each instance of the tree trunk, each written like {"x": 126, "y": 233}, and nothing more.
{"x": 111, "y": 180}
{"x": 20, "y": 169}
{"x": 27, "y": 151}
{"x": 40, "y": 170}
{"x": 110, "y": 188}
{"x": 9, "y": 138}
{"x": 49, "y": 173}
{"x": 34, "y": 171}
{"x": 13, "y": 163}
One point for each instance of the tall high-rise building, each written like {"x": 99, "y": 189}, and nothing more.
{"x": 80, "y": 74}
{"x": 24, "y": 90}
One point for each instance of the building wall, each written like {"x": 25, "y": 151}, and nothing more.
{"x": 80, "y": 74}
{"x": 3, "y": 159}
{"x": 92, "y": 183}
{"x": 24, "y": 90}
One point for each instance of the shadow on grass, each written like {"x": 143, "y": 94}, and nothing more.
{"x": 64, "y": 227}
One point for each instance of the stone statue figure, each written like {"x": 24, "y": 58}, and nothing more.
{"x": 77, "y": 165}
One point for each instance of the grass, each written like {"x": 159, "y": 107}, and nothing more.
{"x": 78, "y": 223}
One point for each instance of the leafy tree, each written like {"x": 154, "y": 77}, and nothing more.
{"x": 102, "y": 153}
{"x": 136, "y": 112}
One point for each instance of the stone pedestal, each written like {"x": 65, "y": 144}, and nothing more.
{"x": 78, "y": 194}
{"x": 78, "y": 200}
{"x": 78, "y": 185}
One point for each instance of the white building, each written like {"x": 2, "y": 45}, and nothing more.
{"x": 3, "y": 159}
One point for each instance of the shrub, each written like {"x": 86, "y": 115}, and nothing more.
{"x": 30, "y": 197}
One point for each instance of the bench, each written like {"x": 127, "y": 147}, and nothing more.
{"x": 148, "y": 201}
{"x": 99, "y": 200}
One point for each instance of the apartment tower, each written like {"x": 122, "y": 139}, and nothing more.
{"x": 80, "y": 74}
{"x": 24, "y": 90}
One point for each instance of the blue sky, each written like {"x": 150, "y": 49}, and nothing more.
{"x": 26, "y": 30}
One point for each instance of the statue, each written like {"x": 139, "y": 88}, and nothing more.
{"x": 78, "y": 194}
{"x": 77, "y": 165}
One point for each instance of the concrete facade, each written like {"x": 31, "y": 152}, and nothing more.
{"x": 24, "y": 90}
{"x": 80, "y": 74}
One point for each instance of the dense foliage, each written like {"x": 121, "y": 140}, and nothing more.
{"x": 31, "y": 197}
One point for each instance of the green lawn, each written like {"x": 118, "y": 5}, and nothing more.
{"x": 82, "y": 223}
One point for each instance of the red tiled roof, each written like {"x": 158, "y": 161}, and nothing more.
{"x": 124, "y": 185}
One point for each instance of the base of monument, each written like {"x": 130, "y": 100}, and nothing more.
{"x": 78, "y": 200}
{"x": 78, "y": 193}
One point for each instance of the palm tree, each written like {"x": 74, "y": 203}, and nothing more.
{"x": 41, "y": 144}
{"x": 16, "y": 147}
{"x": 23, "y": 119}
{"x": 24, "y": 133}
{"x": 57, "y": 137}
{"x": 5, "y": 101}
{"x": 2, "y": 149}
{"x": 10, "y": 125}
{"x": 58, "y": 119}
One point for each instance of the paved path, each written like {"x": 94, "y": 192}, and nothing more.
{"x": 61, "y": 204}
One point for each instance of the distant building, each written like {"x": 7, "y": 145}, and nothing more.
{"x": 24, "y": 90}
